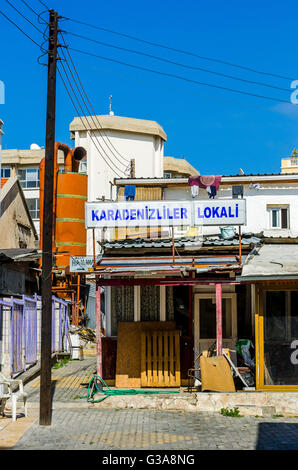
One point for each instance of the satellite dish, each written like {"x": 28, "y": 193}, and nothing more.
{"x": 34, "y": 147}
{"x": 241, "y": 171}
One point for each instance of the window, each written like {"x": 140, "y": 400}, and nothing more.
{"x": 29, "y": 178}
{"x": 5, "y": 172}
{"x": 278, "y": 217}
{"x": 167, "y": 174}
{"x": 83, "y": 166}
{"x": 33, "y": 206}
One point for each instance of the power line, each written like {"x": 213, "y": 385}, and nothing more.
{"x": 181, "y": 51}
{"x": 191, "y": 67}
{"x": 42, "y": 3}
{"x": 30, "y": 8}
{"x": 179, "y": 77}
{"x": 121, "y": 163}
{"x": 23, "y": 16}
{"x": 20, "y": 29}
{"x": 95, "y": 116}
{"x": 35, "y": 12}
{"x": 82, "y": 121}
{"x": 180, "y": 90}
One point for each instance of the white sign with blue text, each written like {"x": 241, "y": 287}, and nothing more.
{"x": 138, "y": 214}
{"x": 164, "y": 213}
{"x": 220, "y": 212}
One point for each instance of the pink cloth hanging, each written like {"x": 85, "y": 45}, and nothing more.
{"x": 205, "y": 180}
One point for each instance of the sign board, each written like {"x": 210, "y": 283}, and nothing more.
{"x": 138, "y": 214}
{"x": 220, "y": 212}
{"x": 80, "y": 264}
{"x": 165, "y": 213}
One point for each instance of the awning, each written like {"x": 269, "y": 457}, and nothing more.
{"x": 151, "y": 265}
{"x": 276, "y": 261}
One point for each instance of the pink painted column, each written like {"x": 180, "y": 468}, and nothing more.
{"x": 219, "y": 319}
{"x": 98, "y": 333}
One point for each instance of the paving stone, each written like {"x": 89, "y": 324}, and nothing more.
{"x": 79, "y": 425}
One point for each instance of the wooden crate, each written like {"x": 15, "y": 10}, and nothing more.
{"x": 160, "y": 358}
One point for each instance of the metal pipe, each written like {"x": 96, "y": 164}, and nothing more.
{"x": 218, "y": 290}
{"x": 98, "y": 332}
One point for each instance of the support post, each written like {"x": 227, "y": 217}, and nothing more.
{"x": 45, "y": 410}
{"x": 219, "y": 319}
{"x": 240, "y": 242}
{"x": 98, "y": 332}
{"x": 93, "y": 242}
{"x": 173, "y": 245}
{"x": 190, "y": 319}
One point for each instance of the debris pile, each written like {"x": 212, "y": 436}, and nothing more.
{"x": 86, "y": 335}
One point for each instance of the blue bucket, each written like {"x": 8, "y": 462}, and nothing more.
{"x": 227, "y": 232}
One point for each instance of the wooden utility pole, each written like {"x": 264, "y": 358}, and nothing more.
{"x": 45, "y": 410}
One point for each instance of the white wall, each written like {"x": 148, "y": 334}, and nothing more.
{"x": 147, "y": 151}
{"x": 256, "y": 206}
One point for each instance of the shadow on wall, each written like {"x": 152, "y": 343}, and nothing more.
{"x": 277, "y": 436}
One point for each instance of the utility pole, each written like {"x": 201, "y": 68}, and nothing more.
{"x": 45, "y": 410}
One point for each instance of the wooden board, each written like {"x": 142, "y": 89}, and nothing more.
{"x": 109, "y": 354}
{"x": 216, "y": 374}
{"x": 128, "y": 365}
{"x": 160, "y": 358}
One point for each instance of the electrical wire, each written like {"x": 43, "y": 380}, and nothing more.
{"x": 92, "y": 109}
{"x": 180, "y": 90}
{"x": 91, "y": 117}
{"x": 23, "y": 16}
{"x": 87, "y": 117}
{"x": 43, "y": 4}
{"x": 179, "y": 77}
{"x": 35, "y": 12}
{"x": 181, "y": 51}
{"x": 191, "y": 67}
{"x": 91, "y": 131}
{"x": 22, "y": 31}
{"x": 83, "y": 123}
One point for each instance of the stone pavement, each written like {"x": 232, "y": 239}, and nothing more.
{"x": 79, "y": 425}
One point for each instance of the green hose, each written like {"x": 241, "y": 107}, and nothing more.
{"x": 93, "y": 388}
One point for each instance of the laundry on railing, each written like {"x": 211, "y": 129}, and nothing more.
{"x": 209, "y": 182}
{"x": 129, "y": 192}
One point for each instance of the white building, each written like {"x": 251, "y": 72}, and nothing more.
{"x": 271, "y": 200}
{"x": 111, "y": 143}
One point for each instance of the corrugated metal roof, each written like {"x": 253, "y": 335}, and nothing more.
{"x": 271, "y": 261}
{"x": 19, "y": 254}
{"x": 166, "y": 264}
{"x": 179, "y": 243}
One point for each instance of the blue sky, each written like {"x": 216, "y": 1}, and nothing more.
{"x": 217, "y": 131}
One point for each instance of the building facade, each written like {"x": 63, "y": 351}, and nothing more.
{"x": 166, "y": 278}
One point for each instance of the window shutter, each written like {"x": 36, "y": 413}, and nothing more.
{"x": 284, "y": 218}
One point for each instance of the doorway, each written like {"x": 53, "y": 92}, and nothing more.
{"x": 205, "y": 322}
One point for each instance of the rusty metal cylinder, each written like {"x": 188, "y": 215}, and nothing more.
{"x": 70, "y": 232}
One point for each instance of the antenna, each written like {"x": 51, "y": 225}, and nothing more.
{"x": 110, "y": 106}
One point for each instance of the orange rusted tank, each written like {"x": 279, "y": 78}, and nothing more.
{"x": 69, "y": 197}
{"x": 70, "y": 232}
